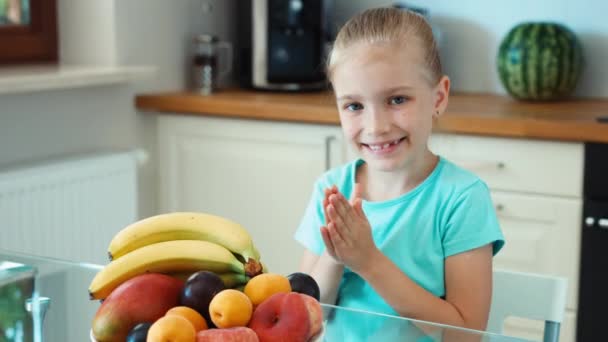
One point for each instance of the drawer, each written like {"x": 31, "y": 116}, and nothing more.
{"x": 542, "y": 235}
{"x": 531, "y": 166}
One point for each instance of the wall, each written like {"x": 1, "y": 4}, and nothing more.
{"x": 472, "y": 30}
{"x": 159, "y": 32}
{"x": 41, "y": 125}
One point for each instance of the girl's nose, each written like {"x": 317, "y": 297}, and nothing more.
{"x": 377, "y": 121}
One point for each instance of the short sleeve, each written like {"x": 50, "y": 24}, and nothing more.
{"x": 472, "y": 222}
{"x": 308, "y": 233}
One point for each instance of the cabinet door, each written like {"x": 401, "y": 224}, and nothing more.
{"x": 257, "y": 173}
{"x": 542, "y": 236}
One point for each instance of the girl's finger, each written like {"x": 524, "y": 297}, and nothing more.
{"x": 341, "y": 204}
{"x": 335, "y": 217}
{"x": 325, "y": 216}
{"x": 337, "y": 239}
{"x": 326, "y": 193}
{"x": 327, "y": 240}
{"x": 358, "y": 207}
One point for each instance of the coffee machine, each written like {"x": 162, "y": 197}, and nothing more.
{"x": 283, "y": 44}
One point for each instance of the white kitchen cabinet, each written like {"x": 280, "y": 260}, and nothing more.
{"x": 536, "y": 187}
{"x": 517, "y": 165}
{"x": 541, "y": 236}
{"x": 257, "y": 173}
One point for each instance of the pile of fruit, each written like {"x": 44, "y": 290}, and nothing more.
{"x": 198, "y": 277}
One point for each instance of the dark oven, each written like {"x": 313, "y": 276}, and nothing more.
{"x": 593, "y": 282}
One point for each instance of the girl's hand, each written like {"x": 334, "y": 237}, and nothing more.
{"x": 348, "y": 235}
{"x": 328, "y": 244}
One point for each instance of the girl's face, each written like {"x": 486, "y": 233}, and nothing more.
{"x": 386, "y": 104}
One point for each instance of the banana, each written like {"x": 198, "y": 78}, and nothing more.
{"x": 184, "y": 226}
{"x": 256, "y": 254}
{"x": 181, "y": 275}
{"x": 164, "y": 257}
{"x": 231, "y": 280}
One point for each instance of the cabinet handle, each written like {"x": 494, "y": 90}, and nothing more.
{"x": 328, "y": 141}
{"x": 481, "y": 165}
{"x": 500, "y": 208}
{"x": 601, "y": 223}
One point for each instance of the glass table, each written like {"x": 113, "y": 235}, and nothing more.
{"x": 45, "y": 299}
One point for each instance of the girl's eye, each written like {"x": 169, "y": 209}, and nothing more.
{"x": 354, "y": 107}
{"x": 397, "y": 100}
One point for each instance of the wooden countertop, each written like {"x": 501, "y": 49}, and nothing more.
{"x": 481, "y": 114}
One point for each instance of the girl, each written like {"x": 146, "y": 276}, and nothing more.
{"x": 418, "y": 235}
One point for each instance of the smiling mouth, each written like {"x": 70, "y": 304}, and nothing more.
{"x": 387, "y": 146}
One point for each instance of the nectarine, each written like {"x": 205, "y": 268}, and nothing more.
{"x": 286, "y": 317}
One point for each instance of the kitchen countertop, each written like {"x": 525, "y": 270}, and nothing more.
{"x": 481, "y": 114}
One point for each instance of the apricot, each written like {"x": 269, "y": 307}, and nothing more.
{"x": 197, "y": 320}
{"x": 262, "y": 286}
{"x": 230, "y": 308}
{"x": 171, "y": 328}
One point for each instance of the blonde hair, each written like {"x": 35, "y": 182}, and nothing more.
{"x": 388, "y": 25}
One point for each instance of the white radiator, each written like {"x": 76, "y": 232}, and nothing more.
{"x": 69, "y": 208}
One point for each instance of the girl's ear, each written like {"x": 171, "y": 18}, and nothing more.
{"x": 441, "y": 94}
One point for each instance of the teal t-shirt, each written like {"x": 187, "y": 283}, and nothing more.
{"x": 450, "y": 212}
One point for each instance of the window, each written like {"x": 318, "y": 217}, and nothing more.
{"x": 28, "y": 31}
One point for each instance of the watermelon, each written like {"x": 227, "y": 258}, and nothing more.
{"x": 540, "y": 61}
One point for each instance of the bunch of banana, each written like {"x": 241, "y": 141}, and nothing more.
{"x": 184, "y": 226}
{"x": 179, "y": 243}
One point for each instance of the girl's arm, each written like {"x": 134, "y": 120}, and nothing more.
{"x": 468, "y": 284}
{"x": 326, "y": 272}
{"x": 468, "y": 275}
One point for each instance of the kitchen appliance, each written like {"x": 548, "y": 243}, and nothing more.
{"x": 208, "y": 63}
{"x": 283, "y": 44}
{"x": 593, "y": 282}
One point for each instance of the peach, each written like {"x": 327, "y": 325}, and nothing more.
{"x": 237, "y": 334}
{"x": 286, "y": 317}
{"x": 315, "y": 314}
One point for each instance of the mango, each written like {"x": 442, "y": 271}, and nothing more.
{"x": 143, "y": 298}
